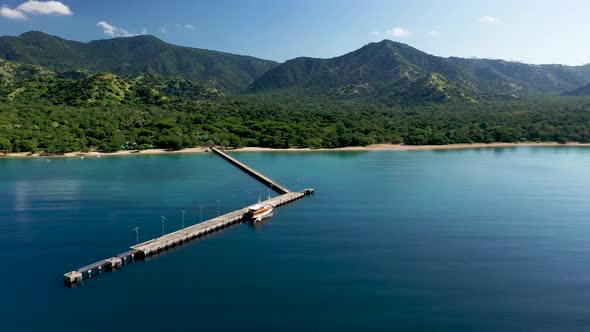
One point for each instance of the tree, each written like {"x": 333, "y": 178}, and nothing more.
{"x": 26, "y": 145}
{"x": 5, "y": 145}
{"x": 171, "y": 142}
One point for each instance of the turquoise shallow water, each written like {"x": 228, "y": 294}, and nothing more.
{"x": 465, "y": 240}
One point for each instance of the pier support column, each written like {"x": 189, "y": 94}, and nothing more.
{"x": 73, "y": 277}
{"x": 113, "y": 263}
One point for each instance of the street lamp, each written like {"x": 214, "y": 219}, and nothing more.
{"x": 183, "y": 213}
{"x": 163, "y": 221}
{"x": 136, "y": 230}
{"x": 200, "y": 206}
{"x": 233, "y": 202}
{"x": 218, "y": 202}
{"x": 247, "y": 197}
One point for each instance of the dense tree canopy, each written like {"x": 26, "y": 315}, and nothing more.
{"x": 382, "y": 93}
{"x": 141, "y": 117}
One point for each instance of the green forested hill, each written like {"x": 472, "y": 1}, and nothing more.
{"x": 59, "y": 112}
{"x": 522, "y": 79}
{"x": 387, "y": 71}
{"x": 31, "y": 84}
{"x": 135, "y": 55}
{"x": 381, "y": 71}
{"x": 139, "y": 93}
{"x": 384, "y": 69}
{"x": 580, "y": 91}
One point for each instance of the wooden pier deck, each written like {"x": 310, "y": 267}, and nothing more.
{"x": 279, "y": 188}
{"x": 173, "y": 239}
{"x": 170, "y": 240}
{"x": 98, "y": 267}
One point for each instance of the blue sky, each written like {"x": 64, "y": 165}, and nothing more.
{"x": 539, "y": 31}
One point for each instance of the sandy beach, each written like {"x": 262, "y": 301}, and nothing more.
{"x": 96, "y": 153}
{"x": 403, "y": 147}
{"x": 374, "y": 147}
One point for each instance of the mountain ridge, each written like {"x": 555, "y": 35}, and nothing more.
{"x": 382, "y": 66}
{"x": 134, "y": 55}
{"x": 385, "y": 71}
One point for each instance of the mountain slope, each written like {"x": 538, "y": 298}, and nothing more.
{"x": 388, "y": 68}
{"x": 135, "y": 55}
{"x": 31, "y": 84}
{"x": 580, "y": 91}
{"x": 386, "y": 71}
{"x": 522, "y": 79}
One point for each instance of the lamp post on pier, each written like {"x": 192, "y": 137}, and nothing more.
{"x": 136, "y": 230}
{"x": 183, "y": 213}
{"x": 163, "y": 222}
{"x": 247, "y": 197}
{"x": 218, "y": 202}
{"x": 233, "y": 202}
{"x": 201, "y": 208}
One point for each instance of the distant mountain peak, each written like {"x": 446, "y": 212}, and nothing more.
{"x": 140, "y": 37}
{"x": 128, "y": 56}
{"x": 379, "y": 68}
{"x": 36, "y": 34}
{"x": 394, "y": 69}
{"x": 389, "y": 42}
{"x": 384, "y": 69}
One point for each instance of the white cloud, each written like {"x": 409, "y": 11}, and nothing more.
{"x": 113, "y": 31}
{"x": 44, "y": 8}
{"x": 35, "y": 8}
{"x": 487, "y": 19}
{"x": 184, "y": 27}
{"x": 12, "y": 13}
{"x": 434, "y": 33}
{"x": 376, "y": 33}
{"x": 399, "y": 32}
{"x": 177, "y": 28}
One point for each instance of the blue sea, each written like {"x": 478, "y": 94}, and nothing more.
{"x": 494, "y": 239}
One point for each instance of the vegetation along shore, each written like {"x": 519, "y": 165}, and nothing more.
{"x": 375, "y": 147}
{"x": 405, "y": 96}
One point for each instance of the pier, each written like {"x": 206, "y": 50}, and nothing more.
{"x": 279, "y": 188}
{"x": 171, "y": 240}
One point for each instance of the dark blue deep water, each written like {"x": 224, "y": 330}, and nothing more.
{"x": 465, "y": 240}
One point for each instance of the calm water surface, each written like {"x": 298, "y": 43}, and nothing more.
{"x": 466, "y": 240}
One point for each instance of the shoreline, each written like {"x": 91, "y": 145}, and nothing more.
{"x": 374, "y": 147}
{"x": 403, "y": 147}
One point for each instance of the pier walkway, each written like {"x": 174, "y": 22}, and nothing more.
{"x": 279, "y": 188}
{"x": 171, "y": 240}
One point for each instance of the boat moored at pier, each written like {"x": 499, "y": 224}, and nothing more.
{"x": 258, "y": 212}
